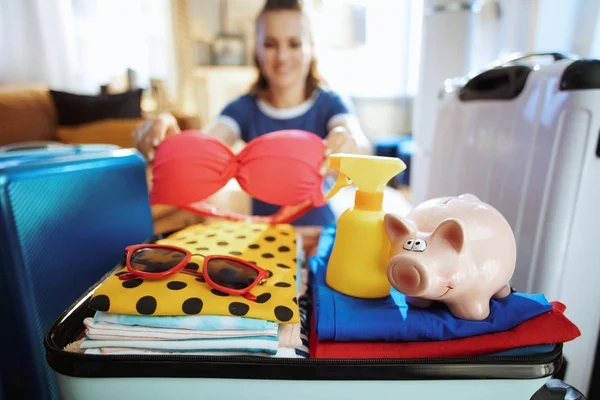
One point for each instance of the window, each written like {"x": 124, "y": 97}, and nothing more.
{"x": 372, "y": 47}
{"x": 113, "y": 35}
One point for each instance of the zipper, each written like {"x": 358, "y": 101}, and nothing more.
{"x": 258, "y": 367}
{"x": 474, "y": 360}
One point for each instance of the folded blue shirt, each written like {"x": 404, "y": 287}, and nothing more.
{"x": 339, "y": 317}
{"x": 532, "y": 350}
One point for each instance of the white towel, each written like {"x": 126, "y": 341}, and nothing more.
{"x": 281, "y": 353}
{"x": 106, "y": 331}
{"x": 246, "y": 345}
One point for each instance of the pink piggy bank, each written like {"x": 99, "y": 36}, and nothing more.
{"x": 456, "y": 250}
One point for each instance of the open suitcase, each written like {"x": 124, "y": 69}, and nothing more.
{"x": 56, "y": 204}
{"x": 524, "y": 137}
{"x": 93, "y": 376}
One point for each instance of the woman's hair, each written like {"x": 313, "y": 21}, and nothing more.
{"x": 313, "y": 79}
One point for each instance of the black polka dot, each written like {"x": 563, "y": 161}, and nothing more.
{"x": 252, "y": 262}
{"x": 282, "y": 284}
{"x": 211, "y": 235}
{"x": 268, "y": 255}
{"x": 235, "y": 253}
{"x": 121, "y": 273}
{"x": 201, "y": 248}
{"x": 295, "y": 260}
{"x": 283, "y": 313}
{"x": 284, "y": 249}
{"x": 191, "y": 242}
{"x": 283, "y": 266}
{"x": 294, "y": 277}
{"x": 176, "y": 285}
{"x": 240, "y": 237}
{"x": 100, "y": 303}
{"x": 201, "y": 279}
{"x": 253, "y": 246}
{"x": 132, "y": 283}
{"x": 146, "y": 305}
{"x": 192, "y": 306}
{"x": 270, "y": 273}
{"x": 270, "y": 239}
{"x": 219, "y": 293}
{"x": 295, "y": 300}
{"x": 263, "y": 298}
{"x": 239, "y": 309}
{"x": 192, "y": 266}
{"x": 285, "y": 233}
{"x": 294, "y": 241}
{"x": 222, "y": 243}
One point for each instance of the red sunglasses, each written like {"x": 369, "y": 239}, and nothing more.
{"x": 226, "y": 274}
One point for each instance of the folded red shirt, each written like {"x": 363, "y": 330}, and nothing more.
{"x": 549, "y": 328}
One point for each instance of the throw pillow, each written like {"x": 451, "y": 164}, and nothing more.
{"x": 75, "y": 109}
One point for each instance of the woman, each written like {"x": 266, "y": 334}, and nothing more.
{"x": 288, "y": 94}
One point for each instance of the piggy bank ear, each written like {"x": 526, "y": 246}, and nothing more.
{"x": 452, "y": 231}
{"x": 395, "y": 227}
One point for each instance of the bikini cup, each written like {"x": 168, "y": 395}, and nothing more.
{"x": 280, "y": 168}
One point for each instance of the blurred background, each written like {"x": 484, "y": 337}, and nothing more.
{"x": 390, "y": 58}
{"x": 190, "y": 57}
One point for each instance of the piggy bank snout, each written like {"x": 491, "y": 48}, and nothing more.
{"x": 407, "y": 276}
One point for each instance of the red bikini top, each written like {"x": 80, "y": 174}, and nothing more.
{"x": 280, "y": 168}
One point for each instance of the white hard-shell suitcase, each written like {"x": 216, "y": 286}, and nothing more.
{"x": 524, "y": 137}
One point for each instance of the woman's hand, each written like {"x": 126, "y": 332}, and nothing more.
{"x": 150, "y": 133}
{"x": 338, "y": 140}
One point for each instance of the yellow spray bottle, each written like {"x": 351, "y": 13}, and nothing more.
{"x": 357, "y": 265}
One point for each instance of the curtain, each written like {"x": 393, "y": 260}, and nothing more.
{"x": 38, "y": 43}
{"x": 79, "y": 45}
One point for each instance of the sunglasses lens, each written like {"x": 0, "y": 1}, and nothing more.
{"x": 231, "y": 274}
{"x": 156, "y": 260}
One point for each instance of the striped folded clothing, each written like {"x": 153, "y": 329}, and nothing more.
{"x": 251, "y": 344}
{"x": 195, "y": 322}
{"x": 164, "y": 341}
{"x": 106, "y": 331}
{"x": 105, "y": 326}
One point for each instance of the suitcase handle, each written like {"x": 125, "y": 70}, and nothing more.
{"x": 502, "y": 83}
{"x": 505, "y": 80}
{"x": 33, "y": 145}
{"x": 525, "y": 56}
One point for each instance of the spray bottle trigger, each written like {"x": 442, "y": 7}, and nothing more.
{"x": 341, "y": 182}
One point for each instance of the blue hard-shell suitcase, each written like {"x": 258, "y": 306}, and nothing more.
{"x": 57, "y": 204}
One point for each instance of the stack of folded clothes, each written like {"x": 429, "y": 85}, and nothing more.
{"x": 348, "y": 327}
{"x": 181, "y": 313}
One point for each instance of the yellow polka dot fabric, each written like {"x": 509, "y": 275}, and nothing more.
{"x": 272, "y": 247}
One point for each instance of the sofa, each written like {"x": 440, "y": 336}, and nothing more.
{"x": 30, "y": 114}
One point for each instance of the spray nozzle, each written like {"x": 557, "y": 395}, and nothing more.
{"x": 341, "y": 182}
{"x": 368, "y": 173}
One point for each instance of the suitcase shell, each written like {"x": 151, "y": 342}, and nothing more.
{"x": 524, "y": 138}
{"x": 56, "y": 206}
{"x": 94, "y": 377}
